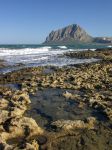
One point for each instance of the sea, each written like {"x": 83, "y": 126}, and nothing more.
{"x": 43, "y": 55}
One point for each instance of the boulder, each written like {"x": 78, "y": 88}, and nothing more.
{"x": 76, "y": 124}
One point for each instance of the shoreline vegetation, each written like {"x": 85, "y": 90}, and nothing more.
{"x": 86, "y": 94}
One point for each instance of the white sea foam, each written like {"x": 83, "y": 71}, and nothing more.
{"x": 92, "y": 49}
{"x": 39, "y": 56}
{"x": 62, "y": 47}
{"x": 25, "y": 51}
{"x": 110, "y": 46}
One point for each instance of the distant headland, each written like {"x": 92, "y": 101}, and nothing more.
{"x": 72, "y": 34}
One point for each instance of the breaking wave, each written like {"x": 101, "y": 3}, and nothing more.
{"x": 24, "y": 51}
{"x": 39, "y": 56}
{"x": 62, "y": 47}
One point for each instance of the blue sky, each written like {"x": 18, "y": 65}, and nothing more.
{"x": 30, "y": 21}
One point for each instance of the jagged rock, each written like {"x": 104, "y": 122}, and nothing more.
{"x": 13, "y": 124}
{"x": 27, "y": 146}
{"x": 14, "y": 107}
{"x": 34, "y": 146}
{"x": 3, "y": 116}
{"x": 21, "y": 127}
{"x": 18, "y": 112}
{"x": 3, "y": 103}
{"x": 5, "y": 146}
{"x": 21, "y": 97}
{"x": 81, "y": 105}
{"x": 68, "y": 95}
{"x": 76, "y": 124}
{"x": 108, "y": 112}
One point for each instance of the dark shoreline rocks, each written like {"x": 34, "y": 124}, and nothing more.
{"x": 105, "y": 54}
{"x": 2, "y": 64}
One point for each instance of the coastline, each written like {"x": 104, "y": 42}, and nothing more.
{"x": 92, "y": 84}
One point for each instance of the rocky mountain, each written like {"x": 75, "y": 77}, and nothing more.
{"x": 70, "y": 33}
{"x": 74, "y": 33}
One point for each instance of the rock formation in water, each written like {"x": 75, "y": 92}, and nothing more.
{"x": 70, "y": 33}
{"x": 74, "y": 33}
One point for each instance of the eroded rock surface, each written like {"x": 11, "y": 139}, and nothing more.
{"x": 77, "y": 124}
{"x": 92, "y": 86}
{"x": 13, "y": 124}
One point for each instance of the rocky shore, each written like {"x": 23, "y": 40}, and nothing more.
{"x": 105, "y": 54}
{"x": 84, "y": 86}
{"x": 2, "y": 64}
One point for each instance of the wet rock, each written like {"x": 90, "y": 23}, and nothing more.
{"x": 27, "y": 146}
{"x": 21, "y": 97}
{"x": 34, "y": 146}
{"x": 94, "y": 83}
{"x": 4, "y": 115}
{"x": 3, "y": 103}
{"x": 68, "y": 95}
{"x": 22, "y": 127}
{"x": 108, "y": 112}
{"x": 104, "y": 54}
{"x": 81, "y": 105}
{"x": 17, "y": 112}
{"x": 41, "y": 140}
{"x": 76, "y": 124}
{"x": 5, "y": 146}
{"x": 13, "y": 124}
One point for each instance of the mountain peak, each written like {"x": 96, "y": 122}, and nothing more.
{"x": 71, "y": 32}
